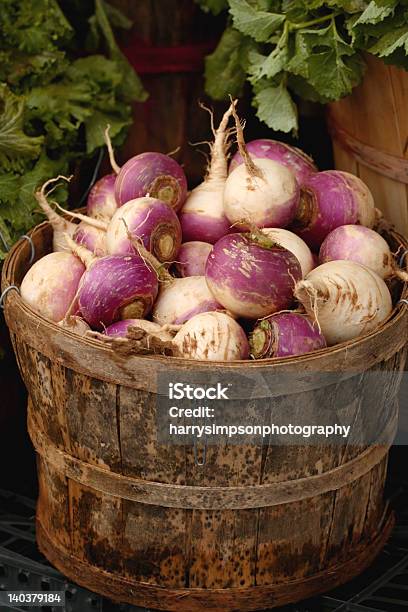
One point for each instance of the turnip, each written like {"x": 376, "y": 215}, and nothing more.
{"x": 345, "y": 298}
{"x": 59, "y": 225}
{"x": 90, "y": 237}
{"x": 362, "y": 245}
{"x": 294, "y": 244}
{"x": 328, "y": 200}
{"x": 202, "y": 217}
{"x": 152, "y": 174}
{"x": 212, "y": 336}
{"x": 120, "y": 328}
{"x": 252, "y": 276}
{"x": 75, "y": 324}
{"x": 101, "y": 203}
{"x": 265, "y": 193}
{"x": 148, "y": 174}
{"x": 291, "y": 157}
{"x": 90, "y": 233}
{"x": 285, "y": 334}
{"x": 182, "y": 298}
{"x": 192, "y": 257}
{"x": 50, "y": 285}
{"x": 149, "y": 219}
{"x": 179, "y": 298}
{"x": 114, "y": 287}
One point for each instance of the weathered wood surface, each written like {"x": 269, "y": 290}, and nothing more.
{"x": 217, "y": 600}
{"x": 255, "y": 527}
{"x": 375, "y": 115}
{"x": 171, "y": 117}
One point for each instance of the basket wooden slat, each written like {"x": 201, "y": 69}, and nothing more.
{"x": 370, "y": 137}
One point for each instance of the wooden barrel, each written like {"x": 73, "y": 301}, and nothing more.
{"x": 167, "y": 45}
{"x": 370, "y": 137}
{"x": 142, "y": 522}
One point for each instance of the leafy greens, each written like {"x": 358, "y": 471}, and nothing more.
{"x": 308, "y": 48}
{"x": 54, "y": 104}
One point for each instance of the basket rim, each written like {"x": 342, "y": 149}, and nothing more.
{"x": 14, "y": 300}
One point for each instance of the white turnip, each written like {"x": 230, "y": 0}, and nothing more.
{"x": 345, "y": 298}
{"x": 212, "y": 336}
{"x": 265, "y": 193}
{"x": 50, "y": 285}
{"x": 293, "y": 158}
{"x": 59, "y": 225}
{"x": 293, "y": 243}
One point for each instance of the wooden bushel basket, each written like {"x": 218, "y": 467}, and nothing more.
{"x": 255, "y": 527}
{"x": 369, "y": 129}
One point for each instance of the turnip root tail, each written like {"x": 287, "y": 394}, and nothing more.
{"x": 99, "y": 224}
{"x": 58, "y": 222}
{"x": 401, "y": 275}
{"x": 305, "y": 291}
{"x": 80, "y": 251}
{"x": 112, "y": 159}
{"x": 251, "y": 167}
{"x": 218, "y": 167}
{"x": 137, "y": 342}
{"x": 162, "y": 274}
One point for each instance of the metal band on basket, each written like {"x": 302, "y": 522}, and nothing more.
{"x": 401, "y": 259}
{"x": 208, "y": 498}
{"x": 5, "y": 292}
{"x": 30, "y": 240}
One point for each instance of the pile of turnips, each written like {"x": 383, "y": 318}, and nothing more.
{"x": 265, "y": 258}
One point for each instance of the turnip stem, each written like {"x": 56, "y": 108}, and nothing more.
{"x": 80, "y": 251}
{"x": 218, "y": 168}
{"x": 102, "y": 225}
{"x": 148, "y": 257}
{"x": 252, "y": 168}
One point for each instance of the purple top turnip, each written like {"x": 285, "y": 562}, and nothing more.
{"x": 192, "y": 257}
{"x": 114, "y": 287}
{"x": 152, "y": 174}
{"x": 294, "y": 244}
{"x": 117, "y": 287}
{"x": 202, "y": 216}
{"x": 362, "y": 245}
{"x": 285, "y": 334}
{"x": 93, "y": 238}
{"x": 152, "y": 221}
{"x": 251, "y": 276}
{"x": 328, "y": 200}
{"x": 101, "y": 202}
{"x": 291, "y": 157}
